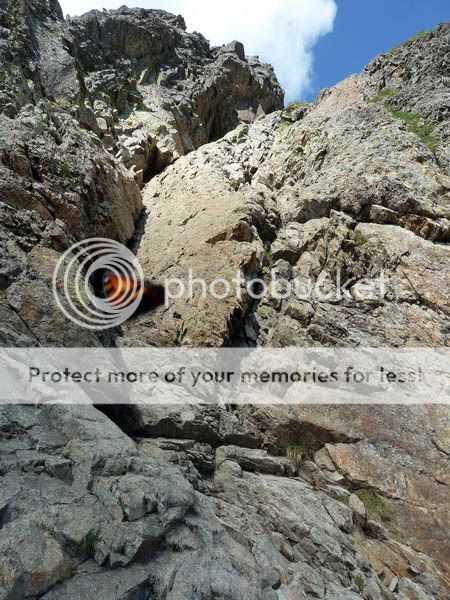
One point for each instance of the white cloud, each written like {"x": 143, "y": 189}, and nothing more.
{"x": 282, "y": 32}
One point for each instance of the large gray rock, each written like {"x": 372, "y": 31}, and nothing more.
{"x": 348, "y": 185}
{"x": 224, "y": 502}
{"x": 76, "y": 493}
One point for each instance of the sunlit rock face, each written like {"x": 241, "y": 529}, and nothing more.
{"x": 121, "y": 124}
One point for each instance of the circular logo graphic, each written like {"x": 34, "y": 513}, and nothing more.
{"x": 74, "y": 292}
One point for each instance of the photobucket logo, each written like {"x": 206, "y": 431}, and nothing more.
{"x": 324, "y": 288}
{"x": 77, "y": 269}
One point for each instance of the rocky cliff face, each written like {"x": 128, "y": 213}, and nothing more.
{"x": 90, "y": 108}
{"x": 335, "y": 503}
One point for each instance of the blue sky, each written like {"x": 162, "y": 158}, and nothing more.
{"x": 311, "y": 43}
{"x": 365, "y": 28}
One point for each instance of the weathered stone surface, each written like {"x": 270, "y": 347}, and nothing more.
{"x": 347, "y": 188}
{"x": 160, "y": 92}
{"x": 78, "y": 489}
{"x": 258, "y": 461}
{"x": 336, "y": 503}
{"x": 209, "y": 424}
{"x": 309, "y": 188}
{"x": 310, "y": 544}
{"x": 389, "y": 456}
{"x": 91, "y": 107}
{"x": 218, "y": 224}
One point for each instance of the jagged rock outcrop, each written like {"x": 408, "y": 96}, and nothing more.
{"x": 88, "y": 108}
{"x": 336, "y": 503}
{"x": 156, "y": 92}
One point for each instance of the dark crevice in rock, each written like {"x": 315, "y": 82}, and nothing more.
{"x": 140, "y": 224}
{"x": 124, "y": 416}
{"x": 156, "y": 164}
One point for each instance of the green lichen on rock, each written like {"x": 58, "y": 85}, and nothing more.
{"x": 265, "y": 311}
{"x": 64, "y": 104}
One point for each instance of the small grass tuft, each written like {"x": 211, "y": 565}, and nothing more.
{"x": 384, "y": 95}
{"x": 293, "y": 106}
{"x": 419, "y": 126}
{"x": 373, "y": 502}
{"x": 295, "y": 453}
{"x": 64, "y": 171}
{"x": 360, "y": 238}
{"x": 297, "y": 448}
{"x": 359, "y": 581}
{"x": 415, "y": 122}
{"x": 417, "y": 37}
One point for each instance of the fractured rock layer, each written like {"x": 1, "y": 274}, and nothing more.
{"x": 337, "y": 503}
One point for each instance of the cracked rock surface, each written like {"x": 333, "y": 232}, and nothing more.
{"x": 124, "y": 125}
